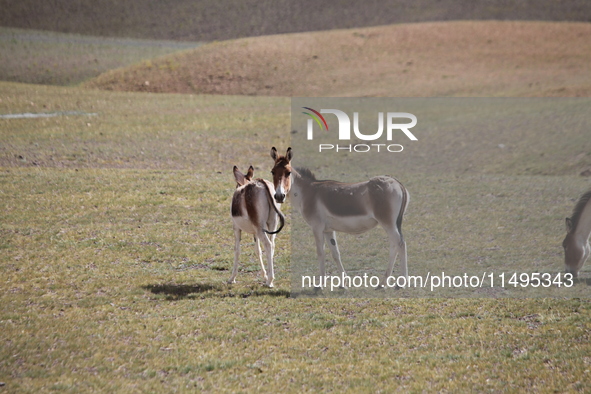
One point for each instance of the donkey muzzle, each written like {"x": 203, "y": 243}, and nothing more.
{"x": 280, "y": 197}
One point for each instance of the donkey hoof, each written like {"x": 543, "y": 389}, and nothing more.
{"x": 231, "y": 281}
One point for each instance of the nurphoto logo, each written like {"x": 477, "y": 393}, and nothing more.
{"x": 344, "y": 130}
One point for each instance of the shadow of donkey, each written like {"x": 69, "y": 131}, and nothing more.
{"x": 175, "y": 292}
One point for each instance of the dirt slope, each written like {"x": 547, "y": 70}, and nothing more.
{"x": 489, "y": 58}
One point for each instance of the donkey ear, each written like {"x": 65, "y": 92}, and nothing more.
{"x": 240, "y": 178}
{"x": 273, "y": 153}
{"x": 569, "y": 225}
{"x": 250, "y": 173}
{"x": 288, "y": 155}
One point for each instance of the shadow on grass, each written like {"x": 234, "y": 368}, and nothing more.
{"x": 586, "y": 281}
{"x": 174, "y": 292}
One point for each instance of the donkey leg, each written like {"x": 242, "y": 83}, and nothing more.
{"x": 269, "y": 249}
{"x": 586, "y": 252}
{"x": 319, "y": 238}
{"x": 331, "y": 240}
{"x": 395, "y": 247}
{"x": 403, "y": 256}
{"x": 237, "y": 236}
{"x": 260, "y": 255}
{"x": 272, "y": 226}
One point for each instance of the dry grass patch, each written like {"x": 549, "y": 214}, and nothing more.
{"x": 113, "y": 265}
{"x": 426, "y": 59}
{"x": 111, "y": 285}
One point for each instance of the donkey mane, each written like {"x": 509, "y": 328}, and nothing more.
{"x": 306, "y": 173}
{"x": 578, "y": 210}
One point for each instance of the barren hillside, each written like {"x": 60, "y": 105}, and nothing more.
{"x": 476, "y": 58}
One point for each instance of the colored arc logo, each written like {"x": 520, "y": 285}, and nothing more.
{"x": 317, "y": 117}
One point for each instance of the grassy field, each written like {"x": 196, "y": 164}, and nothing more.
{"x": 470, "y": 58}
{"x": 116, "y": 244}
{"x": 32, "y": 56}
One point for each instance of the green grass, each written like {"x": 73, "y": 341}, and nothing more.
{"x": 116, "y": 243}
{"x": 33, "y": 56}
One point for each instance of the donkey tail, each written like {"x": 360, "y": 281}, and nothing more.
{"x": 272, "y": 203}
{"x": 405, "y": 199}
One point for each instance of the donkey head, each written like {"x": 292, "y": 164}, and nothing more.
{"x": 281, "y": 174}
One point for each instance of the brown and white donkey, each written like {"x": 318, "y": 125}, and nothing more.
{"x": 254, "y": 210}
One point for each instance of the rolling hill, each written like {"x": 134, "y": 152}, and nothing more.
{"x": 469, "y": 58}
